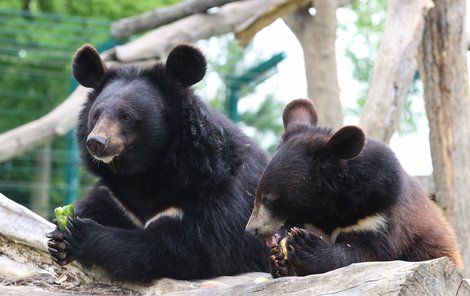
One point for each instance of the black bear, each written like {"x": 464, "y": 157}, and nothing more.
{"x": 177, "y": 179}
{"x": 344, "y": 199}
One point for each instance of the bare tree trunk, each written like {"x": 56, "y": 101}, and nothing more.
{"x": 317, "y": 36}
{"x": 443, "y": 67}
{"x": 40, "y": 193}
{"x": 394, "y": 68}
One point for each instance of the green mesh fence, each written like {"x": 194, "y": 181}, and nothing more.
{"x": 35, "y": 55}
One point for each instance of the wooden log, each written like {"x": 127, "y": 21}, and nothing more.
{"x": 394, "y": 67}
{"x": 26, "y": 268}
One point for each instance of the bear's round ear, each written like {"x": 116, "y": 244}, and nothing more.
{"x": 347, "y": 142}
{"x": 87, "y": 67}
{"x": 299, "y": 111}
{"x": 186, "y": 64}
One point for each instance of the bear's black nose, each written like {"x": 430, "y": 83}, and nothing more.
{"x": 96, "y": 144}
{"x": 251, "y": 230}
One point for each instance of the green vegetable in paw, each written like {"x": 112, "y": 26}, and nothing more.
{"x": 62, "y": 214}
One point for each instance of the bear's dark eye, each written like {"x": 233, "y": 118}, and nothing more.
{"x": 126, "y": 116}
{"x": 268, "y": 199}
{"x": 95, "y": 117}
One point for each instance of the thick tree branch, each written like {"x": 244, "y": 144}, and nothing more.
{"x": 395, "y": 67}
{"x": 157, "y": 43}
{"x": 127, "y": 27}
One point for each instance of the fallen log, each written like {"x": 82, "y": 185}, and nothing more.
{"x": 26, "y": 269}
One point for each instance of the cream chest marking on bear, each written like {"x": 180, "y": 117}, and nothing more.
{"x": 375, "y": 223}
{"x": 171, "y": 212}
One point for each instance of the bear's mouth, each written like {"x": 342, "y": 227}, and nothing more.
{"x": 105, "y": 159}
{"x": 273, "y": 241}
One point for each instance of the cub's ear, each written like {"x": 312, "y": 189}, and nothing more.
{"x": 87, "y": 67}
{"x": 186, "y": 64}
{"x": 347, "y": 142}
{"x": 299, "y": 111}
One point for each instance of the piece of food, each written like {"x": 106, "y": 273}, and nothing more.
{"x": 283, "y": 246}
{"x": 62, "y": 214}
{"x": 261, "y": 279}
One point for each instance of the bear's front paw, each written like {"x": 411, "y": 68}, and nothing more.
{"x": 301, "y": 248}
{"x": 65, "y": 246}
{"x": 58, "y": 248}
{"x": 279, "y": 266}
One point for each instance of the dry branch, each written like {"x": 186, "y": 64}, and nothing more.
{"x": 127, "y": 27}
{"x": 157, "y": 43}
{"x": 274, "y": 10}
{"x": 394, "y": 67}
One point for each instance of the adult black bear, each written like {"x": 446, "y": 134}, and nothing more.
{"x": 176, "y": 179}
{"x": 352, "y": 195}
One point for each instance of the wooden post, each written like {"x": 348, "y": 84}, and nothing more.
{"x": 443, "y": 67}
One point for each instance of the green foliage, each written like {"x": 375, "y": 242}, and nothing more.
{"x": 101, "y": 9}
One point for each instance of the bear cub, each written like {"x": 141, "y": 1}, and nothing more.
{"x": 176, "y": 179}
{"x": 344, "y": 199}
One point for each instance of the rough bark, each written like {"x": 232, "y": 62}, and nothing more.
{"x": 394, "y": 67}
{"x": 157, "y": 43}
{"x": 54, "y": 124}
{"x": 127, "y": 27}
{"x": 443, "y": 67}
{"x": 317, "y": 36}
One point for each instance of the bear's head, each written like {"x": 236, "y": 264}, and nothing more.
{"x": 301, "y": 183}
{"x": 124, "y": 125}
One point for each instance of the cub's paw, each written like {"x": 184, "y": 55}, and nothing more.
{"x": 301, "y": 247}
{"x": 65, "y": 246}
{"x": 279, "y": 266}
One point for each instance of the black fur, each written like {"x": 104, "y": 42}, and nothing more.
{"x": 177, "y": 153}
